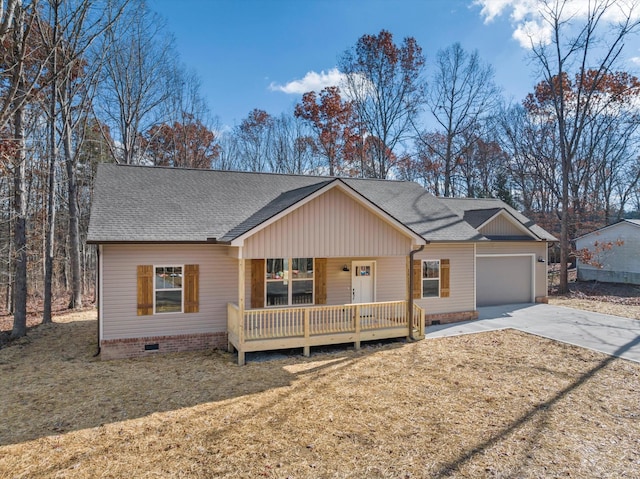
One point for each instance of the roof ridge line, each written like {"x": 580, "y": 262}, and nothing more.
{"x": 270, "y": 173}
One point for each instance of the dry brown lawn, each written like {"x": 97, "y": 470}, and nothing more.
{"x": 501, "y": 404}
{"x": 616, "y": 309}
{"x": 608, "y": 298}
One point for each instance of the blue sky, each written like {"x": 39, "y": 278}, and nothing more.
{"x": 243, "y": 50}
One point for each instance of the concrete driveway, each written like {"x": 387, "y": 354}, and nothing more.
{"x": 613, "y": 335}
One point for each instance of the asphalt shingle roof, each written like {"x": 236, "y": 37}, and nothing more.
{"x": 475, "y": 209}
{"x": 150, "y": 204}
{"x": 478, "y": 217}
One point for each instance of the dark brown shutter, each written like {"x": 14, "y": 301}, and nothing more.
{"x": 258, "y": 274}
{"x": 444, "y": 278}
{"x": 191, "y": 288}
{"x": 320, "y": 280}
{"x": 145, "y": 290}
{"x": 417, "y": 279}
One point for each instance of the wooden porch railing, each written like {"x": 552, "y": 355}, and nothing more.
{"x": 280, "y": 328}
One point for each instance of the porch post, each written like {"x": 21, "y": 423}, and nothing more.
{"x": 307, "y": 348}
{"x": 410, "y": 292}
{"x": 408, "y": 299}
{"x": 356, "y": 343}
{"x": 241, "y": 289}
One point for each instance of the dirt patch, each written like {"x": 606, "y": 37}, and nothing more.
{"x": 499, "y": 404}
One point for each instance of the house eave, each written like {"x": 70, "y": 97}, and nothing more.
{"x": 207, "y": 241}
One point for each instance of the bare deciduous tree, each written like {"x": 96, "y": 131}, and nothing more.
{"x": 592, "y": 52}
{"x": 385, "y": 83}
{"x": 138, "y": 73}
{"x": 461, "y": 93}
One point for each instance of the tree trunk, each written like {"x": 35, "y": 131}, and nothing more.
{"x": 563, "y": 287}
{"x": 74, "y": 228}
{"x": 50, "y": 235}
{"x": 9, "y": 291}
{"x": 19, "y": 189}
{"x": 51, "y": 199}
{"x": 448, "y": 167}
{"x": 20, "y": 225}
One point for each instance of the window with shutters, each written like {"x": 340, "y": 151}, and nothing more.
{"x": 289, "y": 281}
{"x": 167, "y": 289}
{"x": 431, "y": 278}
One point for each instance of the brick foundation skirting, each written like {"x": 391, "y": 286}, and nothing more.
{"x": 542, "y": 299}
{"x": 444, "y": 318}
{"x": 140, "y": 347}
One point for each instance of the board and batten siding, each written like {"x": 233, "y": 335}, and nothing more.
{"x": 331, "y": 225}
{"x": 501, "y": 226}
{"x": 537, "y": 248}
{"x": 461, "y": 281}
{"x": 217, "y": 286}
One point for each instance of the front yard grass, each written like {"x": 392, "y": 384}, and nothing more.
{"x": 499, "y": 404}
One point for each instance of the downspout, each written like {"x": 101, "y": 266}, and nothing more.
{"x": 98, "y": 294}
{"x": 410, "y": 302}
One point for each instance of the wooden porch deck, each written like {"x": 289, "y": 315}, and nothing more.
{"x": 305, "y": 326}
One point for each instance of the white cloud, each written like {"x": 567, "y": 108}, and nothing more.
{"x": 312, "y": 81}
{"x": 532, "y": 32}
{"x": 491, "y": 8}
{"x": 528, "y": 22}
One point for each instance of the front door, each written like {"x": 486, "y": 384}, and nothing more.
{"x": 363, "y": 281}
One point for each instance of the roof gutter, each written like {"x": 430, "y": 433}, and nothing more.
{"x": 410, "y": 301}
{"x": 215, "y": 241}
{"x": 207, "y": 241}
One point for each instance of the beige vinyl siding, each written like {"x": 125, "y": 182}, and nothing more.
{"x": 538, "y": 248}
{"x": 217, "y": 285}
{"x": 501, "y": 226}
{"x": 461, "y": 281}
{"x": 390, "y": 277}
{"x": 338, "y": 281}
{"x": 334, "y": 224}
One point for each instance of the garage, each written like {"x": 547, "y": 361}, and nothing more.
{"x": 504, "y": 279}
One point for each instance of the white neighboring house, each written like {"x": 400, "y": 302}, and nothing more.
{"x": 618, "y": 264}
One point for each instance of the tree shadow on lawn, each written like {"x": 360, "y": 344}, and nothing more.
{"x": 537, "y": 416}
{"x": 53, "y": 384}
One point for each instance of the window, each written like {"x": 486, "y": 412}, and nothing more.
{"x": 363, "y": 271}
{"x": 168, "y": 289}
{"x": 289, "y": 281}
{"x": 431, "y": 278}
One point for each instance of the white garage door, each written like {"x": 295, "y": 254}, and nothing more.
{"x": 503, "y": 280}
